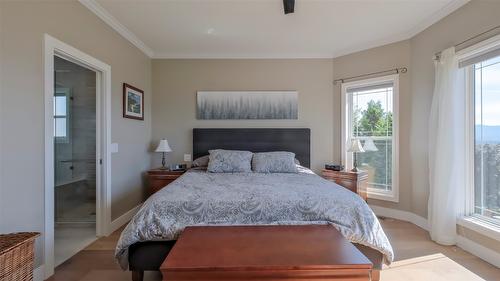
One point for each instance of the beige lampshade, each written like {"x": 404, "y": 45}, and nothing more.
{"x": 163, "y": 146}
{"x": 370, "y": 145}
{"x": 355, "y": 146}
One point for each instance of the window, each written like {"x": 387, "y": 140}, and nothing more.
{"x": 61, "y": 115}
{"x": 370, "y": 116}
{"x": 484, "y": 139}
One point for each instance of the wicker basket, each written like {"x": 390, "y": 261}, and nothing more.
{"x": 16, "y": 256}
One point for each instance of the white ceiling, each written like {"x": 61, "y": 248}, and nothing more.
{"x": 259, "y": 29}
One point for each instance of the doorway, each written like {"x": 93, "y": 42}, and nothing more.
{"x": 77, "y": 155}
{"x": 74, "y": 158}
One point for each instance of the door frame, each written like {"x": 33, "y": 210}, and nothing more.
{"x": 53, "y": 48}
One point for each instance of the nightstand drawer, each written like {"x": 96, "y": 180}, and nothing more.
{"x": 159, "y": 178}
{"x": 355, "y": 182}
{"x": 156, "y": 184}
{"x": 349, "y": 184}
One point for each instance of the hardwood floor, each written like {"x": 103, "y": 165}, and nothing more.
{"x": 417, "y": 258}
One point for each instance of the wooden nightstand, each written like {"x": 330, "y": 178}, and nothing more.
{"x": 159, "y": 178}
{"x": 355, "y": 182}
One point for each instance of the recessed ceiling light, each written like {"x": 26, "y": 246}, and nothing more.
{"x": 210, "y": 31}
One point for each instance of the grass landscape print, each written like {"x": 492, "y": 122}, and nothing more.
{"x": 247, "y": 105}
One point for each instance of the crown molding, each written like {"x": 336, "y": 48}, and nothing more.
{"x": 104, "y": 15}
{"x": 436, "y": 16}
{"x": 241, "y": 56}
{"x": 97, "y": 9}
{"x": 423, "y": 25}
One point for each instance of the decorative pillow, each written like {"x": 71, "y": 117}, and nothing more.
{"x": 229, "y": 161}
{"x": 200, "y": 161}
{"x": 274, "y": 162}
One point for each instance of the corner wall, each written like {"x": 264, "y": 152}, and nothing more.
{"x": 23, "y": 25}
{"x": 373, "y": 60}
{"x": 416, "y": 90}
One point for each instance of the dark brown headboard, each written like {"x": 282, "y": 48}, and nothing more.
{"x": 296, "y": 140}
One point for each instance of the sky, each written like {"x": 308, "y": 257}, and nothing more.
{"x": 488, "y": 87}
{"x": 362, "y": 98}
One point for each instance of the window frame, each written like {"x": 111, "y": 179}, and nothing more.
{"x": 469, "y": 218}
{"x": 347, "y": 157}
{"x": 470, "y": 106}
{"x": 67, "y": 93}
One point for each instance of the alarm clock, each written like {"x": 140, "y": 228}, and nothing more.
{"x": 334, "y": 167}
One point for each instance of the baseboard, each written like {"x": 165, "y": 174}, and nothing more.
{"x": 478, "y": 250}
{"x": 470, "y": 246}
{"x": 123, "y": 219}
{"x": 39, "y": 273}
{"x": 401, "y": 215}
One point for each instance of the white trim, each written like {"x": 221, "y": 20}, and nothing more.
{"x": 480, "y": 48}
{"x": 39, "y": 273}
{"x": 123, "y": 219}
{"x": 437, "y": 16}
{"x": 54, "y": 47}
{"x": 468, "y": 245}
{"x": 475, "y": 223}
{"x": 104, "y": 15}
{"x": 471, "y": 52}
{"x": 479, "y": 250}
{"x": 401, "y": 215}
{"x": 392, "y": 196}
{"x": 166, "y": 55}
{"x": 469, "y": 142}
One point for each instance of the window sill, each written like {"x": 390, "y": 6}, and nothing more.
{"x": 481, "y": 226}
{"x": 385, "y": 196}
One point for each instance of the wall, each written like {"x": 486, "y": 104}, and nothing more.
{"x": 22, "y": 109}
{"x": 416, "y": 89}
{"x": 473, "y": 18}
{"x": 373, "y": 60}
{"x": 175, "y": 83}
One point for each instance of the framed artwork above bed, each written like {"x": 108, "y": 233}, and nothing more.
{"x": 226, "y": 105}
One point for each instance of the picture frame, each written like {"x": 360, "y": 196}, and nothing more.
{"x": 133, "y": 102}
{"x": 247, "y": 105}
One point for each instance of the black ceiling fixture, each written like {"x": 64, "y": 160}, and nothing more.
{"x": 289, "y": 6}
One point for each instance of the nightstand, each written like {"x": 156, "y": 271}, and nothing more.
{"x": 354, "y": 181}
{"x": 159, "y": 178}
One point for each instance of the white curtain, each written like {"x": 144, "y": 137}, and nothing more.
{"x": 447, "y": 149}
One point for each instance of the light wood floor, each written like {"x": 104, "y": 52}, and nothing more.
{"x": 417, "y": 258}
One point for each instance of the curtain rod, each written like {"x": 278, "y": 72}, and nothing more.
{"x": 438, "y": 54}
{"x": 394, "y": 70}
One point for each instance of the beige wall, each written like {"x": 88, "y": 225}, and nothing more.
{"x": 475, "y": 17}
{"x": 416, "y": 89}
{"x": 22, "y": 106}
{"x": 373, "y": 60}
{"x": 175, "y": 83}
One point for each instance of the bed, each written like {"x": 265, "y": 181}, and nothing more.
{"x": 202, "y": 198}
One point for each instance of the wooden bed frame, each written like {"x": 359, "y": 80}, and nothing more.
{"x": 146, "y": 256}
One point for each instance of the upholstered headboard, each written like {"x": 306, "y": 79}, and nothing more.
{"x": 296, "y": 140}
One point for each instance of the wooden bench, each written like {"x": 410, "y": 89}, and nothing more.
{"x": 312, "y": 252}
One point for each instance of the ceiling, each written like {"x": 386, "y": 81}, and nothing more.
{"x": 259, "y": 29}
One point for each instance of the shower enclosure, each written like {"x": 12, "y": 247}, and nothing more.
{"x": 74, "y": 143}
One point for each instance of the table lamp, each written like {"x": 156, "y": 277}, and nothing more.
{"x": 354, "y": 147}
{"x": 163, "y": 147}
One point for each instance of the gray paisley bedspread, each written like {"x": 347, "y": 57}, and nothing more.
{"x": 202, "y": 198}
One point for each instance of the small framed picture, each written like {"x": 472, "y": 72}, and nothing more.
{"x": 133, "y": 102}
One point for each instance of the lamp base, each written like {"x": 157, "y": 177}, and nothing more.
{"x": 354, "y": 170}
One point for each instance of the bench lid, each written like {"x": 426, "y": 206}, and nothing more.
{"x": 263, "y": 248}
